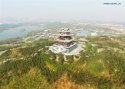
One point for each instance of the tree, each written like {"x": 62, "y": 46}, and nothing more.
{"x": 15, "y": 53}
{"x": 32, "y": 80}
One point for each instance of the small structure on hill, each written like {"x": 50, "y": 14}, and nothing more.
{"x": 65, "y": 43}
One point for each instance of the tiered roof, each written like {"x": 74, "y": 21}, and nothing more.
{"x": 65, "y": 30}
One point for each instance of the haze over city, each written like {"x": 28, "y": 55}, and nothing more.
{"x": 62, "y": 44}
{"x": 61, "y": 10}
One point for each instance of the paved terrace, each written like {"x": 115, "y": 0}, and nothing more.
{"x": 76, "y": 51}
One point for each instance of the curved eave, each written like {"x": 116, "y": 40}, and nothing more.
{"x": 64, "y": 34}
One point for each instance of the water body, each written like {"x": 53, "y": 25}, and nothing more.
{"x": 82, "y": 32}
{"x": 20, "y": 31}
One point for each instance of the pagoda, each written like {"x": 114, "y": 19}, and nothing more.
{"x": 65, "y": 43}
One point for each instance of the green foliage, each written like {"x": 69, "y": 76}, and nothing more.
{"x": 39, "y": 69}
{"x": 2, "y": 48}
{"x": 116, "y": 65}
{"x": 32, "y": 80}
{"x": 70, "y": 59}
{"x": 61, "y": 58}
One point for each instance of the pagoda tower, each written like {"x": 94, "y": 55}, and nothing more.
{"x": 65, "y": 38}
{"x": 65, "y": 43}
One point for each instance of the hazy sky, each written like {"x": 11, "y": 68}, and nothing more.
{"x": 61, "y": 10}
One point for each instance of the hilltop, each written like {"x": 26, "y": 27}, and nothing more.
{"x": 33, "y": 66}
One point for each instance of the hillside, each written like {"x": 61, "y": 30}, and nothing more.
{"x": 32, "y": 66}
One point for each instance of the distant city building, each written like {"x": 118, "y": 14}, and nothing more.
{"x": 65, "y": 44}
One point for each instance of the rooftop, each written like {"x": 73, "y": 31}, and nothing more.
{"x": 65, "y": 30}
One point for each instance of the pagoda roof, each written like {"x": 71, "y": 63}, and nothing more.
{"x": 65, "y": 40}
{"x": 64, "y": 34}
{"x": 65, "y": 30}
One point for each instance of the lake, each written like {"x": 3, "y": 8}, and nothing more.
{"x": 20, "y": 31}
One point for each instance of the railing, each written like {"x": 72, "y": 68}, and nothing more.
{"x": 65, "y": 40}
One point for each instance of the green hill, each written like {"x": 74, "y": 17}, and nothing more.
{"x": 32, "y": 66}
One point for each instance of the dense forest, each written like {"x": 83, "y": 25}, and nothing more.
{"x": 33, "y": 66}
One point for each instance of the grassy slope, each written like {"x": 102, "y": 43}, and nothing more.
{"x": 94, "y": 70}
